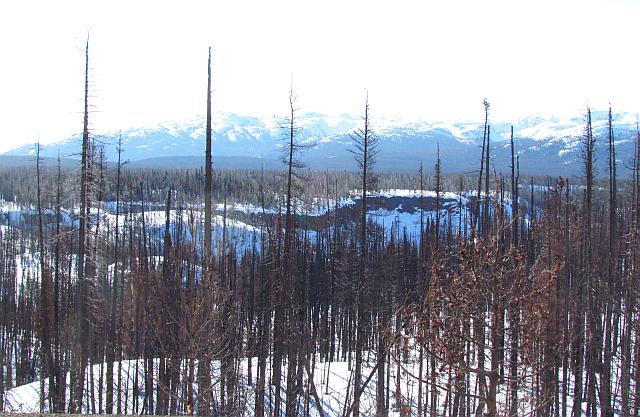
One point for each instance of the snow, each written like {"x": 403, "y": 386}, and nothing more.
{"x": 246, "y": 208}
{"x": 417, "y": 194}
{"x": 197, "y": 133}
{"x": 461, "y": 130}
{"x": 333, "y": 381}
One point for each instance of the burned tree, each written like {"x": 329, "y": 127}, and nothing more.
{"x": 365, "y": 152}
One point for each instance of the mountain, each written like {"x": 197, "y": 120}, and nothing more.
{"x": 546, "y": 144}
{"x": 9, "y": 161}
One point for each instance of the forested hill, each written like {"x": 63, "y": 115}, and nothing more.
{"x": 546, "y": 144}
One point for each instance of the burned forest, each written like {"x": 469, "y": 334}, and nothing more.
{"x": 306, "y": 292}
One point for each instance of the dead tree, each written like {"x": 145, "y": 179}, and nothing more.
{"x": 611, "y": 285}
{"x": 365, "y": 153}
{"x": 111, "y": 349}
{"x": 584, "y": 290}
{"x": 46, "y": 307}
{"x": 204, "y": 365}
{"x": 207, "y": 171}
{"x": 289, "y": 299}
{"x": 514, "y": 193}
{"x": 82, "y": 327}
{"x": 485, "y": 103}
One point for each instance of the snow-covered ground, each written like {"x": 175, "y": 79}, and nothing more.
{"x": 397, "y": 209}
{"x": 333, "y": 382}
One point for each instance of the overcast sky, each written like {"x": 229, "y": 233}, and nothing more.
{"x": 431, "y": 60}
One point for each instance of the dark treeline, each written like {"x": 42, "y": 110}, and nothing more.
{"x": 532, "y": 311}
{"x": 18, "y": 184}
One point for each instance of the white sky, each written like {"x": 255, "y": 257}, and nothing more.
{"x": 432, "y": 60}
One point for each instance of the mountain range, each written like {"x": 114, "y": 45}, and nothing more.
{"x": 545, "y": 144}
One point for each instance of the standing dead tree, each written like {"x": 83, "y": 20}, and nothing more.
{"x": 46, "y": 306}
{"x": 81, "y": 299}
{"x": 485, "y": 150}
{"x": 365, "y": 152}
{"x": 204, "y": 364}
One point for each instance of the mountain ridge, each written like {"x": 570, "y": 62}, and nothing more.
{"x": 545, "y": 144}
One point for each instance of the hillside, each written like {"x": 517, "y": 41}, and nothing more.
{"x": 546, "y": 144}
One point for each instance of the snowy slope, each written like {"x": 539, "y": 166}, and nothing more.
{"x": 333, "y": 381}
{"x": 547, "y": 144}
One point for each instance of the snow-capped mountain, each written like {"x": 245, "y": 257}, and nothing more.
{"x": 545, "y": 144}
